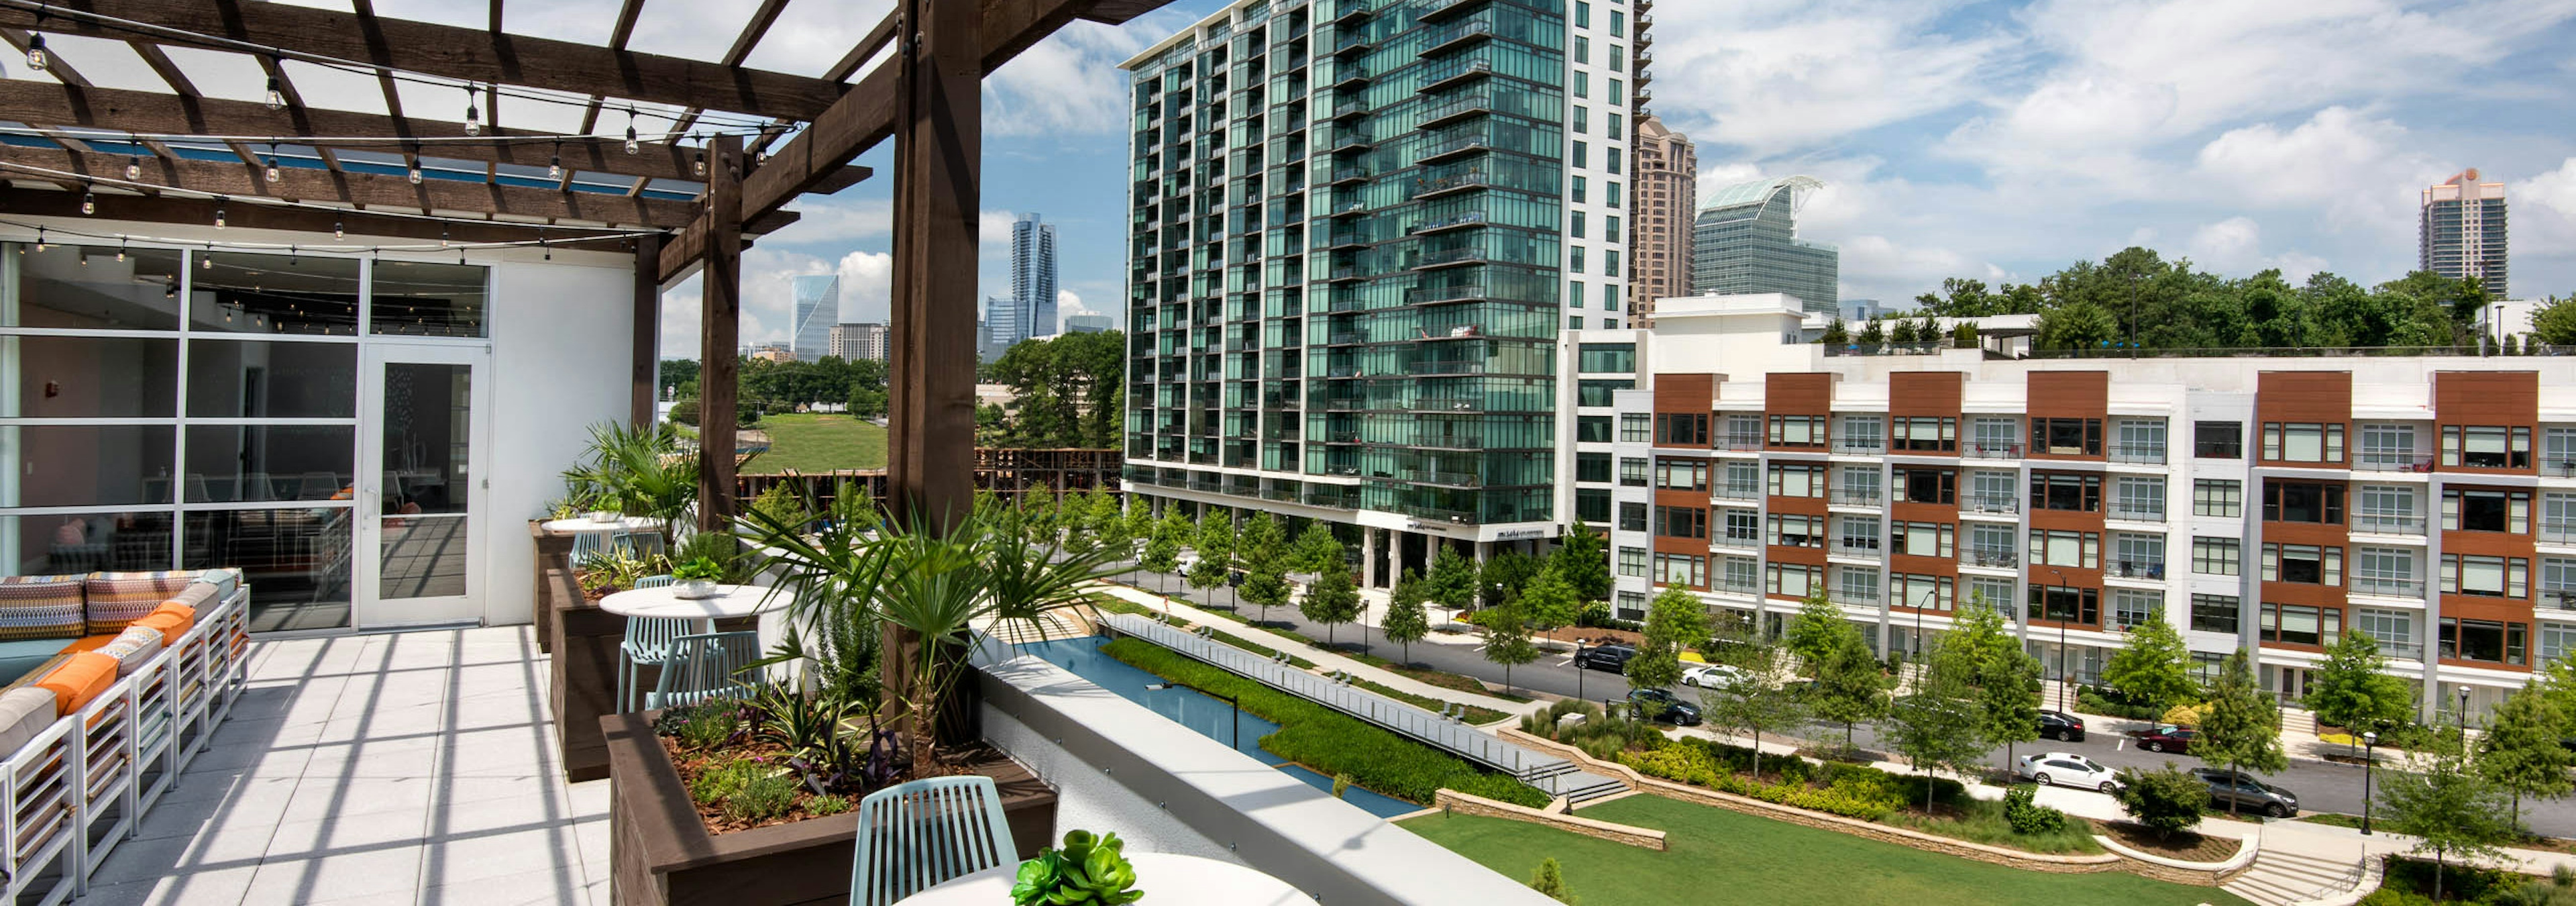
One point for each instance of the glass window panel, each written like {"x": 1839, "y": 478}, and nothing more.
{"x": 85, "y": 542}
{"x": 427, "y": 413}
{"x": 298, "y": 558}
{"x": 93, "y": 377}
{"x": 424, "y": 557}
{"x": 85, "y": 465}
{"x": 87, "y": 287}
{"x": 247, "y": 293}
{"x": 253, "y": 463}
{"x": 230, "y": 378}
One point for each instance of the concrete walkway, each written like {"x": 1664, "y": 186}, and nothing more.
{"x": 1325, "y": 661}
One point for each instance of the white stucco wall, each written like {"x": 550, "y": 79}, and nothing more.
{"x": 560, "y": 335}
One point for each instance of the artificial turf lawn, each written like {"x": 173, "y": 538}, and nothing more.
{"x": 809, "y": 442}
{"x": 1718, "y": 855}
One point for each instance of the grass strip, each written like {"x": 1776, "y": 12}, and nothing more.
{"x": 1257, "y": 648}
{"x": 1330, "y": 742}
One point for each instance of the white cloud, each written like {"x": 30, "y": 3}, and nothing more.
{"x": 1775, "y": 75}
{"x": 2340, "y": 158}
{"x": 768, "y": 301}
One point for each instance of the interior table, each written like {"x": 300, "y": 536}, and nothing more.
{"x": 1176, "y": 878}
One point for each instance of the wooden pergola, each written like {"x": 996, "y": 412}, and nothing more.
{"x": 683, "y": 207}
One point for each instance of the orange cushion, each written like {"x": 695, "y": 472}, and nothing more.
{"x": 172, "y": 625}
{"x": 174, "y": 607}
{"x": 91, "y": 642}
{"x": 81, "y": 678}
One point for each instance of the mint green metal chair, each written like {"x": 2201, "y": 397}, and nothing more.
{"x": 703, "y": 668}
{"x": 921, "y": 834}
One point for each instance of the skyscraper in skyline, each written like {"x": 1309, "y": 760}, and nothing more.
{"x": 1662, "y": 205}
{"x": 1033, "y": 274}
{"x": 1005, "y": 324}
{"x": 1360, "y": 232}
{"x": 2460, "y": 231}
{"x": 853, "y": 342}
{"x": 818, "y": 307}
{"x": 1745, "y": 240}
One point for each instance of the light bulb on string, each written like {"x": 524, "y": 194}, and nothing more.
{"x": 276, "y": 94}
{"x": 219, "y": 213}
{"x": 554, "y": 165}
{"x": 473, "y": 117}
{"x": 337, "y": 230}
{"x": 133, "y": 167}
{"x": 699, "y": 166}
{"x": 270, "y": 173}
{"x": 632, "y": 146}
{"x": 170, "y": 290}
{"x": 442, "y": 236}
{"x": 37, "y": 58}
{"x": 40, "y": 239}
{"x": 120, "y": 250}
{"x": 89, "y": 202}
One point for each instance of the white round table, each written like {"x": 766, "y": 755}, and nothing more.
{"x": 585, "y": 525}
{"x": 1165, "y": 878}
{"x": 729, "y": 601}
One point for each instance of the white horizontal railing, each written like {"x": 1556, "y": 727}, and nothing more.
{"x": 1425, "y": 726}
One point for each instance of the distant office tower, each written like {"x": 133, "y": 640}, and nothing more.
{"x": 818, "y": 307}
{"x": 1033, "y": 274}
{"x": 1661, "y": 205}
{"x": 852, "y": 342}
{"x": 772, "y": 352}
{"x": 1088, "y": 323}
{"x": 2461, "y": 234}
{"x": 1745, "y": 241}
{"x": 1005, "y": 325}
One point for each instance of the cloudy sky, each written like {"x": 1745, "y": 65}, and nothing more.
{"x": 1998, "y": 140}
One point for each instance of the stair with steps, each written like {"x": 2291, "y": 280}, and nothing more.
{"x": 2298, "y": 720}
{"x": 2282, "y": 878}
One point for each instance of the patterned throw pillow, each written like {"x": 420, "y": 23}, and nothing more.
{"x": 40, "y": 607}
{"x": 132, "y": 648}
{"x": 117, "y": 599}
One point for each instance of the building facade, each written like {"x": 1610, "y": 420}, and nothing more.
{"x": 1745, "y": 240}
{"x": 1359, "y": 229}
{"x": 1663, "y": 206}
{"x": 818, "y": 307}
{"x": 852, "y": 342}
{"x": 2249, "y": 502}
{"x": 1089, "y": 323}
{"x": 1006, "y": 323}
{"x": 2460, "y": 231}
{"x": 1033, "y": 273}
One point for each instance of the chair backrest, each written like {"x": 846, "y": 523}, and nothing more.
{"x": 654, "y": 581}
{"x": 642, "y": 543}
{"x": 703, "y": 667}
{"x": 318, "y": 486}
{"x": 661, "y": 633}
{"x": 920, "y": 834}
{"x": 585, "y": 544}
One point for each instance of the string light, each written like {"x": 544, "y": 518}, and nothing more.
{"x": 133, "y": 167}
{"x": 219, "y": 212}
{"x": 473, "y": 117}
{"x": 40, "y": 239}
{"x": 632, "y": 146}
{"x": 271, "y": 173}
{"x": 700, "y": 165}
{"x": 170, "y": 290}
{"x": 442, "y": 237}
{"x": 120, "y": 250}
{"x": 89, "y": 202}
{"x": 37, "y": 58}
{"x": 554, "y": 165}
{"x": 414, "y": 173}
{"x": 337, "y": 230}
{"x": 276, "y": 94}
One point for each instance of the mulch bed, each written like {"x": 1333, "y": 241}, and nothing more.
{"x": 690, "y": 764}
{"x": 2183, "y": 845}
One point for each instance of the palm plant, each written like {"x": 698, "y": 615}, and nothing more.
{"x": 639, "y": 472}
{"x": 1028, "y": 574}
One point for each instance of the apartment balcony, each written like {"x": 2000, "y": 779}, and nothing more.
{"x": 1455, "y": 73}
{"x": 1450, "y": 479}
{"x": 2379, "y": 524}
{"x": 1345, "y": 240}
{"x": 2367, "y": 461}
{"x": 1345, "y": 338}
{"x": 1457, "y": 36}
{"x": 2153, "y": 570}
{"x": 1997, "y": 558}
{"x": 1350, "y": 75}
{"x": 1723, "y": 491}
{"x": 2132, "y": 513}
{"x": 1990, "y": 503}
{"x": 1353, "y": 44}
{"x": 1860, "y": 446}
{"x": 1349, "y": 110}
{"x": 1459, "y": 221}
{"x": 1745, "y": 542}
{"x": 1990, "y": 451}
{"x": 2388, "y": 587}
{"x": 2146, "y": 454}
{"x": 1345, "y": 275}
{"x": 1472, "y": 105}
{"x": 1736, "y": 588}
{"x": 1442, "y": 10}
{"x": 1451, "y": 185}
{"x": 1457, "y": 257}
{"x": 1349, "y": 141}
{"x": 1853, "y": 497}
{"x": 1350, "y": 11}
{"x": 1343, "y": 176}
{"x": 1447, "y": 366}
{"x": 1443, "y": 295}
{"x": 1854, "y": 547}
{"x": 2556, "y": 467}
{"x": 2563, "y": 599}
{"x": 1454, "y": 148}
{"x": 1740, "y": 443}
{"x": 2557, "y": 531}
{"x": 1854, "y": 595}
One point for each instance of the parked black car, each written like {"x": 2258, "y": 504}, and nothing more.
{"x": 2247, "y": 794}
{"x": 1665, "y": 707}
{"x": 2061, "y": 726}
{"x": 1612, "y": 658}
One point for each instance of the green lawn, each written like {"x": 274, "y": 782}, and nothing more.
{"x": 818, "y": 443}
{"x": 1718, "y": 855}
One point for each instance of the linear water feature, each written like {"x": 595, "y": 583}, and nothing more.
{"x": 1206, "y": 715}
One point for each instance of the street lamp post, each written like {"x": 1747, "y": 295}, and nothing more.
{"x": 2369, "y": 740}
{"x": 2464, "y": 721}
{"x": 1918, "y": 623}
{"x": 1235, "y": 731}
{"x": 2065, "y": 680}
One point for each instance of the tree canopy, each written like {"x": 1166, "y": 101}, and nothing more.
{"x": 2155, "y": 666}
{"x": 1069, "y": 391}
{"x": 2349, "y": 690}
{"x": 1583, "y": 561}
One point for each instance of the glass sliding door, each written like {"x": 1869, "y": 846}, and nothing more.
{"x": 422, "y": 489}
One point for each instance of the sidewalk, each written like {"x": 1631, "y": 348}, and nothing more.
{"x": 1325, "y": 661}
{"x": 2299, "y": 739}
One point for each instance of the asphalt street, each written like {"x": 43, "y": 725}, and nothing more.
{"x": 2319, "y": 785}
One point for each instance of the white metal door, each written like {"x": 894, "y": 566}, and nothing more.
{"x": 423, "y": 443}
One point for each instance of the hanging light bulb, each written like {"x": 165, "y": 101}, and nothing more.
{"x": 632, "y": 146}
{"x": 40, "y": 239}
{"x": 120, "y": 250}
{"x": 550, "y": 250}
{"x": 37, "y": 58}
{"x": 219, "y": 213}
{"x": 337, "y": 231}
{"x": 414, "y": 174}
{"x": 170, "y": 290}
{"x": 89, "y": 202}
{"x": 134, "y": 168}
{"x": 442, "y": 236}
{"x": 276, "y": 94}
{"x": 699, "y": 166}
{"x": 270, "y": 173}
{"x": 554, "y": 166}
{"x": 208, "y": 262}
{"x": 473, "y": 117}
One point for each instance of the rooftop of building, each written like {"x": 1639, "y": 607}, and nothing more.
{"x": 1761, "y": 190}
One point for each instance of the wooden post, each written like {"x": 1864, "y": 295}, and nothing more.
{"x": 939, "y": 149}
{"x": 719, "y": 332}
{"x": 646, "y": 389}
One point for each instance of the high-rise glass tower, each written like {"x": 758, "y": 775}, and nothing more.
{"x": 1358, "y": 230}
{"x": 1033, "y": 274}
{"x": 1745, "y": 240}
{"x": 2460, "y": 232}
{"x": 1664, "y": 203}
{"x": 818, "y": 307}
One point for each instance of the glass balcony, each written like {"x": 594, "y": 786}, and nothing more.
{"x": 2387, "y": 524}
{"x": 1736, "y": 541}
{"x": 1860, "y": 445}
{"x": 1991, "y": 451}
{"x": 2391, "y": 587}
{"x": 1724, "y": 491}
{"x": 2135, "y": 569}
{"x": 2133, "y": 512}
{"x": 2152, "y": 454}
{"x": 2382, "y": 461}
{"x": 1855, "y": 497}
{"x": 1990, "y": 503}
{"x": 1987, "y": 556}
{"x": 1855, "y": 547}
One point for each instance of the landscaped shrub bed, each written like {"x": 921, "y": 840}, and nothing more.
{"x": 1263, "y": 650}
{"x": 2409, "y": 882}
{"x": 2107, "y": 701}
{"x": 1602, "y": 736}
{"x": 1440, "y": 678}
{"x": 1851, "y": 791}
{"x": 737, "y": 780}
{"x": 1330, "y": 742}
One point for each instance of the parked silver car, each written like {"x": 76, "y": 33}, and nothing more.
{"x": 2247, "y": 794}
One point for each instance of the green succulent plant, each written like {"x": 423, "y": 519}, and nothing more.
{"x": 1086, "y": 870}
{"x": 702, "y": 568}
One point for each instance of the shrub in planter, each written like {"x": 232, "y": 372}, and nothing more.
{"x": 2028, "y": 816}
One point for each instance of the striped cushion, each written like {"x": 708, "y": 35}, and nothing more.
{"x": 40, "y": 607}
{"x": 117, "y": 599}
{"x": 132, "y": 648}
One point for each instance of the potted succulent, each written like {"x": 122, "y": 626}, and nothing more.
{"x": 697, "y": 578}
{"x": 1086, "y": 870}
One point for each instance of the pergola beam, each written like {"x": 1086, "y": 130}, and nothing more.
{"x": 24, "y": 202}
{"x": 358, "y": 189}
{"x": 465, "y": 54}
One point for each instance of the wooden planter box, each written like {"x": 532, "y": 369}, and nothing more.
{"x": 661, "y": 854}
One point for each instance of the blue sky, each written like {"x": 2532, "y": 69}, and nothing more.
{"x": 1995, "y": 140}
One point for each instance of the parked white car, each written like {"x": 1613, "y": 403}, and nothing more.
{"x": 2069, "y": 769}
{"x": 1714, "y": 676}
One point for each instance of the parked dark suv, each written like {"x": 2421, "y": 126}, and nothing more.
{"x": 1667, "y": 708}
{"x": 2061, "y": 726}
{"x": 1613, "y": 658}
{"x": 2246, "y": 793}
